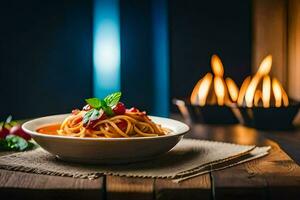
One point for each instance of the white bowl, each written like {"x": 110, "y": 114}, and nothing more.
{"x": 105, "y": 150}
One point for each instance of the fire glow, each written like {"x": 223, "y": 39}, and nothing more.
{"x": 261, "y": 89}
{"x": 212, "y": 89}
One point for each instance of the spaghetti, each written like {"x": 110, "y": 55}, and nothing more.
{"x": 121, "y": 122}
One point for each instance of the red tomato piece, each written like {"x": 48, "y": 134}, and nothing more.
{"x": 3, "y": 133}
{"x": 18, "y": 131}
{"x": 119, "y": 109}
{"x": 133, "y": 109}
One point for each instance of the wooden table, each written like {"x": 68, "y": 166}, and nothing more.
{"x": 276, "y": 176}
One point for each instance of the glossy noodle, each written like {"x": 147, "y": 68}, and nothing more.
{"x": 135, "y": 124}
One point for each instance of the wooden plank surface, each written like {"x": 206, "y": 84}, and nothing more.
{"x": 129, "y": 188}
{"x": 270, "y": 177}
{"x": 146, "y": 189}
{"x": 275, "y": 176}
{"x": 287, "y": 140}
{"x": 19, "y": 185}
{"x": 241, "y": 181}
{"x": 281, "y": 173}
{"x": 238, "y": 183}
{"x": 278, "y": 173}
{"x": 195, "y": 188}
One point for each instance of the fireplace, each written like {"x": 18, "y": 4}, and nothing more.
{"x": 268, "y": 94}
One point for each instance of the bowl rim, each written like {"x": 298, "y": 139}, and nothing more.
{"x": 185, "y": 128}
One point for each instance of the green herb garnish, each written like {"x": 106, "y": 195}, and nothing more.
{"x": 106, "y": 108}
{"x": 15, "y": 143}
{"x": 101, "y": 105}
{"x": 112, "y": 99}
{"x": 12, "y": 137}
{"x": 87, "y": 116}
{"x": 94, "y": 102}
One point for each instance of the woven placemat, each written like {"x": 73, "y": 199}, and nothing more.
{"x": 187, "y": 159}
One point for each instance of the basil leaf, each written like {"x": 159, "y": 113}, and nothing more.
{"x": 87, "y": 116}
{"x": 91, "y": 115}
{"x": 106, "y": 104}
{"x": 94, "y": 102}
{"x": 112, "y": 99}
{"x": 103, "y": 103}
{"x": 108, "y": 110}
{"x": 16, "y": 143}
{"x": 95, "y": 115}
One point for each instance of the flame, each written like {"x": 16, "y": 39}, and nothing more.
{"x": 265, "y": 66}
{"x": 243, "y": 90}
{"x": 251, "y": 90}
{"x": 194, "y": 95}
{"x": 277, "y": 92}
{"x": 206, "y": 92}
{"x": 204, "y": 88}
{"x": 255, "y": 90}
{"x": 266, "y": 91}
{"x": 253, "y": 94}
{"x": 257, "y": 97}
{"x": 219, "y": 89}
{"x": 263, "y": 70}
{"x": 232, "y": 88}
{"x": 217, "y": 66}
{"x": 285, "y": 97}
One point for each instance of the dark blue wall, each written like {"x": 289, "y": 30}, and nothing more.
{"x": 199, "y": 29}
{"x": 136, "y": 53}
{"x": 45, "y": 56}
{"x": 46, "y": 50}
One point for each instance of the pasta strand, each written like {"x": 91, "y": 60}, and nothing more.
{"x": 138, "y": 124}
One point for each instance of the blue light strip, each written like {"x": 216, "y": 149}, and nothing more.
{"x": 161, "y": 57}
{"x": 106, "y": 50}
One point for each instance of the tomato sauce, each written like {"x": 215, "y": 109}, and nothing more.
{"x": 49, "y": 129}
